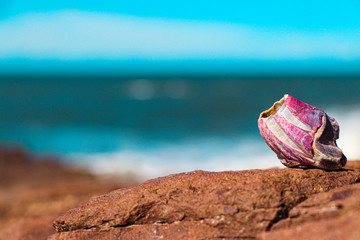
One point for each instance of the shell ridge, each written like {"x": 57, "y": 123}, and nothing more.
{"x": 306, "y": 113}
{"x": 293, "y": 132}
{"x": 290, "y": 117}
{"x": 288, "y": 152}
{"x": 289, "y": 149}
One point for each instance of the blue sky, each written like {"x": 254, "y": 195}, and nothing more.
{"x": 220, "y": 36}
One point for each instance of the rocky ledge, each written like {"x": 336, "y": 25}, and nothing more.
{"x": 254, "y": 204}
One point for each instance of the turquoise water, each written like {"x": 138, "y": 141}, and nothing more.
{"x": 161, "y": 124}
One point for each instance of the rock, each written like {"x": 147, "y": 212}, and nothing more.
{"x": 353, "y": 165}
{"x": 201, "y": 205}
{"x": 34, "y": 190}
{"x": 330, "y": 215}
{"x": 19, "y": 168}
{"x": 342, "y": 228}
{"x": 337, "y": 202}
{"x": 28, "y": 228}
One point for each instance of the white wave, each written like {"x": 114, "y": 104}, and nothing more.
{"x": 216, "y": 155}
{"x": 349, "y": 122}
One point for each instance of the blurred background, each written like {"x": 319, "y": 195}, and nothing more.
{"x": 149, "y": 88}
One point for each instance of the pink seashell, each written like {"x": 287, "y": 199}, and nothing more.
{"x": 301, "y": 135}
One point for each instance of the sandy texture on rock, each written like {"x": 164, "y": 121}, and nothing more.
{"x": 330, "y": 215}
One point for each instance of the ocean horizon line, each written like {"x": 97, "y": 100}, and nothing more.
{"x": 180, "y": 75}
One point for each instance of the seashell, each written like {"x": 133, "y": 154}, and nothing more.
{"x": 301, "y": 135}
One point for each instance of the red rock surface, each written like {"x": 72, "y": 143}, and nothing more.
{"x": 34, "y": 190}
{"x": 353, "y": 165}
{"x": 257, "y": 204}
{"x": 330, "y": 215}
{"x": 342, "y": 228}
{"x": 201, "y": 205}
{"x": 335, "y": 203}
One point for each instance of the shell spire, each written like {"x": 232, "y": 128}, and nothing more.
{"x": 301, "y": 135}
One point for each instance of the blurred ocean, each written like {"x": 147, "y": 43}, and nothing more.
{"x": 149, "y": 127}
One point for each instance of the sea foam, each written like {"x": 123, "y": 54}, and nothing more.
{"x": 214, "y": 155}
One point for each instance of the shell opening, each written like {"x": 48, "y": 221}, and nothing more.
{"x": 274, "y": 109}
